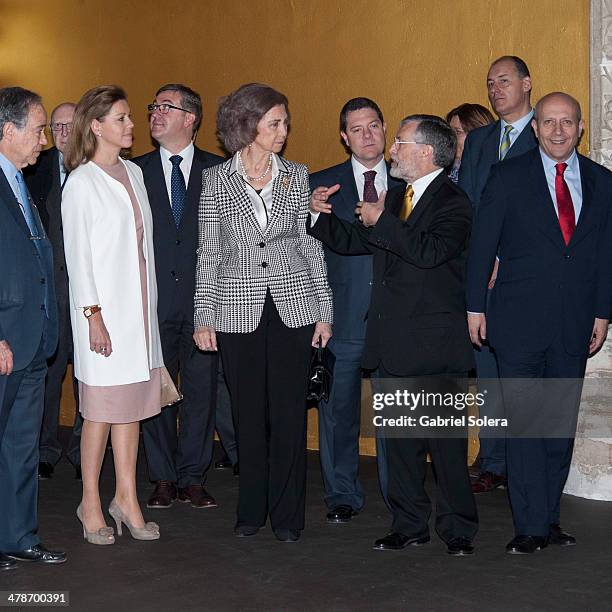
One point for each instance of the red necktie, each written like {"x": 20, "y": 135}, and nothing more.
{"x": 565, "y": 207}
{"x": 369, "y": 189}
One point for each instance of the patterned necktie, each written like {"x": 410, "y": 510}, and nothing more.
{"x": 565, "y": 206}
{"x": 407, "y": 205}
{"x": 25, "y": 204}
{"x": 177, "y": 189}
{"x": 505, "y": 143}
{"x": 369, "y": 189}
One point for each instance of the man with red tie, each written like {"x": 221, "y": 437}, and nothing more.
{"x": 547, "y": 213}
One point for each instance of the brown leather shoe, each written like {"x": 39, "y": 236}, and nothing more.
{"x": 487, "y": 481}
{"x": 163, "y": 496}
{"x": 198, "y": 496}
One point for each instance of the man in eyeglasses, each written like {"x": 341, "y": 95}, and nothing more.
{"x": 45, "y": 181}
{"x": 178, "y": 459}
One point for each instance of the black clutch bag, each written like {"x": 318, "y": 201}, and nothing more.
{"x": 321, "y": 374}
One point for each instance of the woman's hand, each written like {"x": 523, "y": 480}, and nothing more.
{"x": 205, "y": 338}
{"x": 99, "y": 339}
{"x": 323, "y": 331}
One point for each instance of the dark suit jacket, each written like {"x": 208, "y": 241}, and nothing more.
{"x": 175, "y": 248}
{"x": 350, "y": 277}
{"x": 416, "y": 321}
{"x": 43, "y": 180}
{"x": 25, "y": 273}
{"x": 481, "y": 152}
{"x": 543, "y": 287}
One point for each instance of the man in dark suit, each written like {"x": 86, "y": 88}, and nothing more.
{"x": 45, "y": 181}
{"x": 362, "y": 177}
{"x": 547, "y": 213}
{"x": 509, "y": 90}
{"x": 28, "y": 328}
{"x": 416, "y": 327}
{"x": 173, "y": 177}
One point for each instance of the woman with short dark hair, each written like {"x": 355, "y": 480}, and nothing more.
{"x": 463, "y": 119}
{"x": 108, "y": 238}
{"x": 262, "y": 293}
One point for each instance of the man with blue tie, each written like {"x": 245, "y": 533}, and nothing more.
{"x": 509, "y": 91}
{"x": 45, "y": 181}
{"x": 360, "y": 178}
{"x": 28, "y": 329}
{"x": 547, "y": 213}
{"x": 178, "y": 459}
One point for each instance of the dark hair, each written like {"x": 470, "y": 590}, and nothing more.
{"x": 519, "y": 64}
{"x": 356, "y": 104}
{"x": 241, "y": 111}
{"x": 434, "y": 131}
{"x": 95, "y": 104}
{"x": 15, "y": 104}
{"x": 471, "y": 116}
{"x": 190, "y": 101}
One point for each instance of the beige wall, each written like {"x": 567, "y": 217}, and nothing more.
{"x": 409, "y": 55}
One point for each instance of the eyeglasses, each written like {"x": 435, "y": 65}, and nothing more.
{"x": 397, "y": 141}
{"x": 165, "y": 108}
{"x": 60, "y": 127}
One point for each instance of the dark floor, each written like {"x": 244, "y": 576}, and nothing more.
{"x": 200, "y": 565}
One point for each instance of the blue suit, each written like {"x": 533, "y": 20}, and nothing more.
{"x": 480, "y": 153}
{"x": 542, "y": 308}
{"x": 28, "y": 322}
{"x": 350, "y": 278}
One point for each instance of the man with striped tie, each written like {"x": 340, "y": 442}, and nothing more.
{"x": 509, "y": 90}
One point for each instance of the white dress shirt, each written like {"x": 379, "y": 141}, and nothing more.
{"x": 420, "y": 185}
{"x": 62, "y": 169}
{"x": 262, "y": 200}
{"x": 185, "y": 165}
{"x": 517, "y": 127}
{"x": 572, "y": 178}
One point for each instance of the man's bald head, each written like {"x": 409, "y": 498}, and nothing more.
{"x": 558, "y": 96}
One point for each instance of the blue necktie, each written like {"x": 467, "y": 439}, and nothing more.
{"x": 177, "y": 189}
{"x": 25, "y": 203}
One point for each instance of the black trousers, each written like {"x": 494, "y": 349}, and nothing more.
{"x": 267, "y": 374}
{"x": 184, "y": 454}
{"x": 50, "y": 446}
{"x": 456, "y": 514}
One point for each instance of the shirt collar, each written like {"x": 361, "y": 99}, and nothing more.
{"x": 420, "y": 185}
{"x": 8, "y": 168}
{"x": 359, "y": 168}
{"x": 519, "y": 124}
{"x": 550, "y": 164}
{"x": 186, "y": 153}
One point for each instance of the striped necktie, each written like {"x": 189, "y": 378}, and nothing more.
{"x": 505, "y": 143}
{"x": 407, "y": 205}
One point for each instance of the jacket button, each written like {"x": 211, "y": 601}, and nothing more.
{"x": 566, "y": 256}
{"x": 42, "y": 306}
{"x": 173, "y": 272}
{"x": 262, "y": 244}
{"x": 178, "y": 242}
{"x": 42, "y": 281}
{"x": 264, "y": 264}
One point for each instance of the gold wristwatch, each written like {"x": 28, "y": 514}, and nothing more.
{"x": 91, "y": 310}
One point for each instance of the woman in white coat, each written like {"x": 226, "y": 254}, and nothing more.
{"x": 108, "y": 241}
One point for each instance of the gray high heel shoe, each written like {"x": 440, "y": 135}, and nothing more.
{"x": 149, "y": 532}
{"x": 103, "y": 537}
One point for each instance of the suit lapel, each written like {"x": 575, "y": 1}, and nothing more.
{"x": 194, "y": 187}
{"x": 282, "y": 186}
{"x": 526, "y": 140}
{"x": 586, "y": 219}
{"x": 7, "y": 195}
{"x": 348, "y": 193}
{"x": 426, "y": 198}
{"x": 154, "y": 175}
{"x": 544, "y": 215}
{"x": 236, "y": 189}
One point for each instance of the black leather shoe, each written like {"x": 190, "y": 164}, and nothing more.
{"x": 340, "y": 514}
{"x": 459, "y": 547}
{"x": 45, "y": 470}
{"x": 526, "y": 544}
{"x": 163, "y": 496}
{"x": 245, "y": 531}
{"x": 397, "y": 541}
{"x": 38, "y": 553}
{"x": 6, "y": 563}
{"x": 77, "y": 473}
{"x": 558, "y": 537}
{"x": 223, "y": 464}
{"x": 287, "y": 535}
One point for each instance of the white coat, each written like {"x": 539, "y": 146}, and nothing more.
{"x": 102, "y": 263}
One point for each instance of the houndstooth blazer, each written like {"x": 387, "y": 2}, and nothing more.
{"x": 238, "y": 261}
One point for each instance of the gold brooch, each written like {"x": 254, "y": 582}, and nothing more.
{"x": 285, "y": 182}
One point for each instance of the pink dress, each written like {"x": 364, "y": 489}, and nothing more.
{"x": 135, "y": 401}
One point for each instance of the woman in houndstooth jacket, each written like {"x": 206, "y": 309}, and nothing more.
{"x": 262, "y": 293}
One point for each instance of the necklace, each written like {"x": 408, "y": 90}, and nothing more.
{"x": 253, "y": 179}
